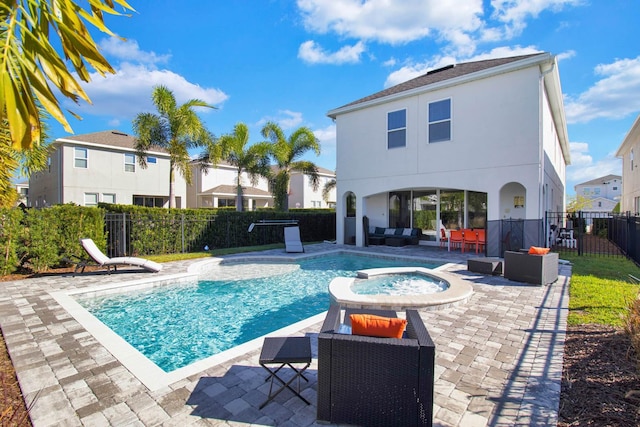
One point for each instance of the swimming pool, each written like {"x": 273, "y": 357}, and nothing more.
{"x": 177, "y": 325}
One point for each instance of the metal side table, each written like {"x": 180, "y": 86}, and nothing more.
{"x": 285, "y": 351}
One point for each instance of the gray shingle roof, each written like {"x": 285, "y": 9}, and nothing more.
{"x": 111, "y": 138}
{"x": 439, "y": 75}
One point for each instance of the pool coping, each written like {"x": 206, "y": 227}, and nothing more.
{"x": 146, "y": 371}
{"x": 458, "y": 291}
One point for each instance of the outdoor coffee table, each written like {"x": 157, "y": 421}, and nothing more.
{"x": 284, "y": 351}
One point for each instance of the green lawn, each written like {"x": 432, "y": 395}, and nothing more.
{"x": 601, "y": 289}
{"x": 212, "y": 253}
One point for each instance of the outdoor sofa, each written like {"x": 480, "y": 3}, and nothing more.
{"x": 374, "y": 381}
{"x": 530, "y": 268}
{"x": 399, "y": 236}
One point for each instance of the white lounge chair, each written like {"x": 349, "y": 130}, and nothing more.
{"x": 104, "y": 261}
{"x": 292, "y": 240}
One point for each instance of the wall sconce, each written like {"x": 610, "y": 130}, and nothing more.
{"x": 518, "y": 201}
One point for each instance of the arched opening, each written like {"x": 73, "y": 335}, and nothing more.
{"x": 350, "y": 218}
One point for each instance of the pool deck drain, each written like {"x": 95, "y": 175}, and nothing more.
{"x": 498, "y": 359}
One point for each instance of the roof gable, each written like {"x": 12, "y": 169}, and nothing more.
{"x": 108, "y": 138}
{"x": 437, "y": 76}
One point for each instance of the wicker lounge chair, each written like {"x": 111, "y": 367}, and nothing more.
{"x": 375, "y": 381}
{"x": 102, "y": 260}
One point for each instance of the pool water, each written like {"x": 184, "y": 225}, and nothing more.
{"x": 399, "y": 284}
{"x": 175, "y": 326}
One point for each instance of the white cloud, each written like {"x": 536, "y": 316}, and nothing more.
{"x": 128, "y": 50}
{"x": 389, "y": 22}
{"x": 286, "y": 119}
{"x": 128, "y": 92}
{"x": 615, "y": 95}
{"x": 584, "y": 168}
{"x": 514, "y": 14}
{"x": 460, "y": 25}
{"x": 327, "y": 136}
{"x": 411, "y": 71}
{"x": 312, "y": 53}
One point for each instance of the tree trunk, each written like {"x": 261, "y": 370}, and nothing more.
{"x": 239, "y": 201}
{"x": 172, "y": 195}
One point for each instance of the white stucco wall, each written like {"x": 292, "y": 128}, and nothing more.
{"x": 502, "y": 129}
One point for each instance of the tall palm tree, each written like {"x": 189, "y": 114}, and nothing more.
{"x": 254, "y": 160}
{"x": 287, "y": 153}
{"x": 326, "y": 190}
{"x": 176, "y": 129}
{"x": 31, "y": 62}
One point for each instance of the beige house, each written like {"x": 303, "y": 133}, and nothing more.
{"x": 628, "y": 151}
{"x": 103, "y": 167}
{"x": 303, "y": 195}
{"x": 215, "y": 187}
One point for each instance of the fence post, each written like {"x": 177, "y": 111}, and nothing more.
{"x": 124, "y": 234}
{"x": 182, "y": 230}
{"x": 577, "y": 229}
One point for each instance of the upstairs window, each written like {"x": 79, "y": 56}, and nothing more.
{"x": 80, "y": 157}
{"x": 129, "y": 162}
{"x": 397, "y": 129}
{"x": 440, "y": 121}
{"x": 152, "y": 160}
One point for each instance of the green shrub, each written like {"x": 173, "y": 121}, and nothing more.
{"x": 632, "y": 325}
{"x": 41, "y": 239}
{"x": 10, "y": 235}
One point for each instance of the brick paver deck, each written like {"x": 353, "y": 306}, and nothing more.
{"x": 498, "y": 359}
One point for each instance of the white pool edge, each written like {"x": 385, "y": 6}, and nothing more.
{"x": 146, "y": 371}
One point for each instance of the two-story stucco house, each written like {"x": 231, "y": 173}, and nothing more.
{"x": 602, "y": 193}
{"x": 474, "y": 144}
{"x": 217, "y": 187}
{"x": 103, "y": 167}
{"x": 303, "y": 195}
{"x": 628, "y": 150}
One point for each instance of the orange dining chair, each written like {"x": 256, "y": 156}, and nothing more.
{"x": 470, "y": 238}
{"x": 456, "y": 239}
{"x": 482, "y": 239}
{"x": 443, "y": 238}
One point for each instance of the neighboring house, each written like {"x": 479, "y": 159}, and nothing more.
{"x": 215, "y": 187}
{"x": 23, "y": 190}
{"x": 467, "y": 145}
{"x": 599, "y": 204}
{"x": 629, "y": 149}
{"x": 103, "y": 167}
{"x": 303, "y": 195}
{"x": 608, "y": 187}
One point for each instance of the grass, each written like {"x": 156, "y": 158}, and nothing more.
{"x": 601, "y": 290}
{"x": 212, "y": 253}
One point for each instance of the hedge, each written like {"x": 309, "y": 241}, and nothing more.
{"x": 39, "y": 239}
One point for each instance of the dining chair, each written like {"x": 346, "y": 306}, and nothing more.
{"x": 443, "y": 238}
{"x": 470, "y": 238}
{"x": 482, "y": 239}
{"x": 456, "y": 239}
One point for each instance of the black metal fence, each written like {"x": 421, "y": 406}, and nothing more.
{"x": 587, "y": 232}
{"x": 137, "y": 234}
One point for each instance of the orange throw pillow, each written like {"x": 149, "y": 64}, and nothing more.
{"x": 533, "y": 250}
{"x": 377, "y": 326}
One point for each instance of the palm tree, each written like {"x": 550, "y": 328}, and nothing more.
{"x": 287, "y": 153}
{"x": 326, "y": 190}
{"x": 175, "y": 129}
{"x": 31, "y": 63}
{"x": 253, "y": 160}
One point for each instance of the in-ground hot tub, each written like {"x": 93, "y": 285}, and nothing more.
{"x": 438, "y": 289}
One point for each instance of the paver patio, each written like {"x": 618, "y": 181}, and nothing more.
{"x": 498, "y": 359}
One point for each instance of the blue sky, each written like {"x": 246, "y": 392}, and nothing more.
{"x": 292, "y": 61}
